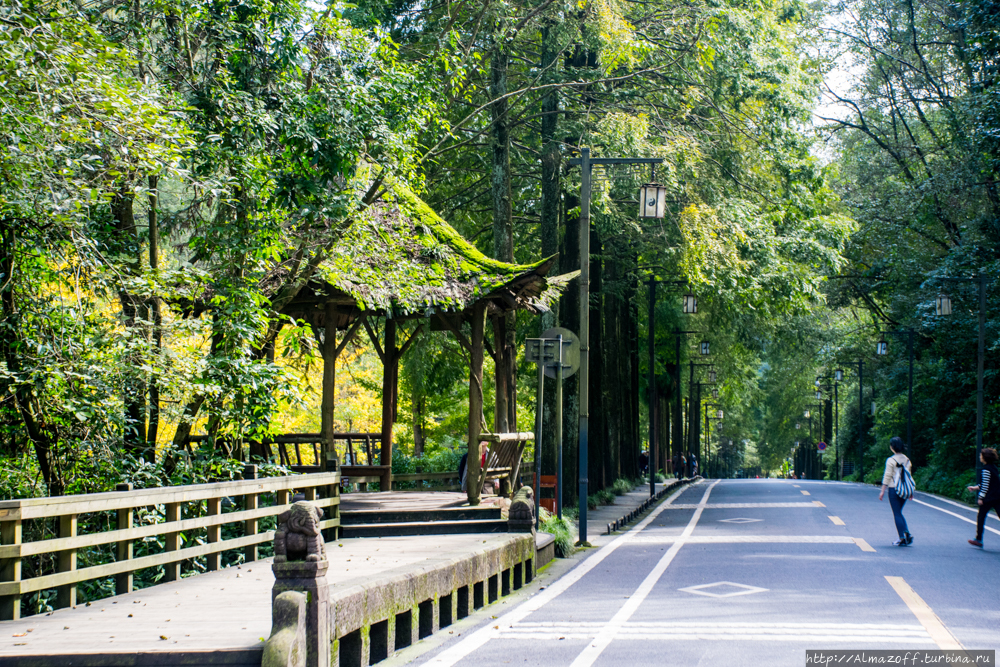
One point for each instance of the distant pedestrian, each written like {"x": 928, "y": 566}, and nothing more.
{"x": 684, "y": 467}
{"x": 643, "y": 462}
{"x": 894, "y": 467}
{"x": 989, "y": 491}
{"x": 678, "y": 466}
{"x": 694, "y": 465}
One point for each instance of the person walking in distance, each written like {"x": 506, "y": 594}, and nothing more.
{"x": 988, "y": 497}
{"x": 894, "y": 467}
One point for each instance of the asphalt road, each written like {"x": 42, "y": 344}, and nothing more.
{"x": 755, "y": 572}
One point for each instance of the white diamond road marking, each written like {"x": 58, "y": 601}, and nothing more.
{"x": 739, "y": 520}
{"x": 703, "y": 590}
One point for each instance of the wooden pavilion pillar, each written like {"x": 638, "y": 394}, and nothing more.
{"x": 475, "y": 399}
{"x": 390, "y": 376}
{"x": 328, "y": 407}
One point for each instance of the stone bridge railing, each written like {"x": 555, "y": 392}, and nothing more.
{"x": 189, "y": 521}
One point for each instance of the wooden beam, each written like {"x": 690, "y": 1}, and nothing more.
{"x": 475, "y": 401}
{"x": 409, "y": 341}
{"x": 329, "y": 400}
{"x": 459, "y": 336}
{"x": 349, "y": 336}
{"x": 389, "y": 372}
{"x": 374, "y": 339}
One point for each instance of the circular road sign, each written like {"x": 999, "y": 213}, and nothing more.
{"x": 571, "y": 352}
{"x": 821, "y": 446}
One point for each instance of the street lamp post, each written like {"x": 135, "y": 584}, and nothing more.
{"x": 652, "y": 395}
{"x": 586, "y": 165}
{"x": 837, "y": 376}
{"x": 944, "y": 308}
{"x": 694, "y": 405}
{"x": 882, "y": 348}
{"x": 708, "y": 432}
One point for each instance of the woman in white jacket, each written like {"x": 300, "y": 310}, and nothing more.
{"x": 894, "y": 466}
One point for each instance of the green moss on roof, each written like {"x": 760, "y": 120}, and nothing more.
{"x": 402, "y": 257}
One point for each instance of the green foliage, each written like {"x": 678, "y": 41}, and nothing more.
{"x": 561, "y": 530}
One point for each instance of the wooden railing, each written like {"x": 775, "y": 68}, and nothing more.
{"x": 119, "y": 507}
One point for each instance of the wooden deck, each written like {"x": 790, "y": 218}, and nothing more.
{"x": 398, "y": 501}
{"x": 225, "y": 614}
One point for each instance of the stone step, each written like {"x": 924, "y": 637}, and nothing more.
{"x": 424, "y": 528}
{"x": 351, "y": 518}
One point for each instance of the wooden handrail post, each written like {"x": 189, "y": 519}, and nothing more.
{"x": 172, "y": 571}
{"x": 250, "y": 502}
{"x": 66, "y": 595}
{"x": 10, "y": 570}
{"x": 213, "y": 560}
{"x": 123, "y": 549}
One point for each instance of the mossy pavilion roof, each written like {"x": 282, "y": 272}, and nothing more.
{"x": 400, "y": 258}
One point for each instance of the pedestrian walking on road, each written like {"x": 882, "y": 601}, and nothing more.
{"x": 895, "y": 465}
{"x": 694, "y": 465}
{"x": 988, "y": 497}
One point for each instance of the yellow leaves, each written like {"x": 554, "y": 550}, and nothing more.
{"x": 708, "y": 242}
{"x": 619, "y": 47}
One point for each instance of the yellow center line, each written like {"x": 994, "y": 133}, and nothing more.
{"x": 818, "y": 503}
{"x": 837, "y": 521}
{"x": 863, "y": 544}
{"x": 935, "y": 628}
{"x": 805, "y": 493}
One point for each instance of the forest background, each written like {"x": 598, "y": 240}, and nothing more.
{"x": 155, "y": 150}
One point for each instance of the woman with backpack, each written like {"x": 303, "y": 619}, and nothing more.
{"x": 898, "y": 477}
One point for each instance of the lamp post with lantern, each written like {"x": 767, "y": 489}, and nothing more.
{"x": 882, "y": 349}
{"x": 943, "y": 308}
{"x": 652, "y": 205}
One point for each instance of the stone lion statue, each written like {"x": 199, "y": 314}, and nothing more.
{"x": 298, "y": 536}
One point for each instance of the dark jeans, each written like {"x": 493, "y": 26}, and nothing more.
{"x": 984, "y": 509}
{"x": 896, "y": 503}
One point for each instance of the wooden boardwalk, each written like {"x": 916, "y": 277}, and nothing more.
{"x": 227, "y": 610}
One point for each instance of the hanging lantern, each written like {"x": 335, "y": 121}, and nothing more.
{"x": 873, "y": 408}
{"x": 718, "y": 414}
{"x": 704, "y": 347}
{"x": 806, "y": 414}
{"x": 652, "y": 200}
{"x": 838, "y": 375}
{"x": 689, "y": 305}
{"x": 797, "y": 426}
{"x": 715, "y": 393}
{"x": 943, "y": 304}
{"x": 819, "y": 396}
{"x": 882, "y": 347}
{"x": 817, "y": 382}
{"x": 711, "y": 376}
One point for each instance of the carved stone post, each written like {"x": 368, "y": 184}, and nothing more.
{"x": 300, "y": 565}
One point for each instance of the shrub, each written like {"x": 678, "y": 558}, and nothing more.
{"x": 561, "y": 530}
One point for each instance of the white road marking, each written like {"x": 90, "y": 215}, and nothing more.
{"x": 837, "y": 521}
{"x": 932, "y": 624}
{"x": 608, "y": 632}
{"x": 703, "y": 589}
{"x": 745, "y": 631}
{"x": 991, "y": 515}
{"x": 805, "y": 493}
{"x": 957, "y": 516}
{"x": 462, "y": 649}
{"x": 745, "y": 539}
{"x": 736, "y": 506}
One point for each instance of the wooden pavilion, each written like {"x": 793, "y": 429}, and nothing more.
{"x": 400, "y": 261}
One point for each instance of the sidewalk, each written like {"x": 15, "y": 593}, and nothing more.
{"x": 598, "y": 520}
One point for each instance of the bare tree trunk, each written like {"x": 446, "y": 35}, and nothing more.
{"x": 157, "y": 316}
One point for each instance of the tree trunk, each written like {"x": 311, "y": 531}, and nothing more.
{"x": 569, "y": 316}
{"x": 154, "y": 263}
{"x": 418, "y": 403}
{"x": 134, "y": 389}
{"x": 329, "y": 396}
{"x": 599, "y": 389}
{"x": 505, "y": 326}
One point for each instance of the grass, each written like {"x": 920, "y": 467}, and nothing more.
{"x": 561, "y": 530}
